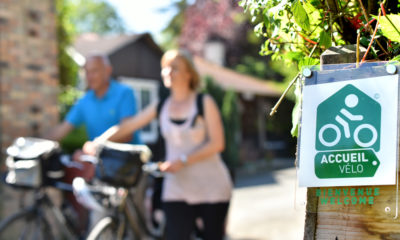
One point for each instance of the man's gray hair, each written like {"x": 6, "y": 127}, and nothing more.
{"x": 102, "y": 57}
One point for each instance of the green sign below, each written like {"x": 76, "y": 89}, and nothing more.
{"x": 346, "y": 163}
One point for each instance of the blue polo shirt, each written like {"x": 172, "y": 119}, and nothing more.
{"x": 99, "y": 114}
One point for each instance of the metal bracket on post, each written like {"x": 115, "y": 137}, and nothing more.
{"x": 307, "y": 72}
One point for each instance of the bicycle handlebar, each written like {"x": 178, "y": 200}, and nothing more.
{"x": 84, "y": 192}
{"x": 89, "y": 158}
{"x": 153, "y": 168}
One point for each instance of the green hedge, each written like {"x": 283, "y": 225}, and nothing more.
{"x": 227, "y": 103}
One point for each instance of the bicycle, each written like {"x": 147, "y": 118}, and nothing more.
{"x": 36, "y": 164}
{"x": 351, "y": 101}
{"x": 114, "y": 194}
{"x": 356, "y": 135}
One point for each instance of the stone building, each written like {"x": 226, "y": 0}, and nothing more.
{"x": 28, "y": 78}
{"x": 28, "y": 69}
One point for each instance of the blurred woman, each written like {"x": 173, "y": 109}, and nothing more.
{"x": 197, "y": 183}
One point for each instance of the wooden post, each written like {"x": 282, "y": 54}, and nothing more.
{"x": 341, "y": 54}
{"x": 333, "y": 55}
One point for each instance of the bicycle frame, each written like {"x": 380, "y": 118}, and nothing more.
{"x": 62, "y": 222}
{"x": 125, "y": 212}
{"x": 48, "y": 172}
{"x": 134, "y": 216}
{"x": 125, "y": 216}
{"x": 41, "y": 203}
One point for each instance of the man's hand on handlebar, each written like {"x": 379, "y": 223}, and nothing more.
{"x": 89, "y": 148}
{"x": 87, "y": 171}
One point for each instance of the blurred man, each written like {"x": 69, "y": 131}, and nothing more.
{"x": 105, "y": 104}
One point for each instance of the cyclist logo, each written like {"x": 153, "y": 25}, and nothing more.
{"x": 347, "y": 135}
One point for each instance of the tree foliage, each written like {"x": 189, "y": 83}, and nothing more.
{"x": 79, "y": 16}
{"x": 300, "y": 30}
{"x": 228, "y": 105}
{"x": 75, "y": 17}
{"x": 68, "y": 69}
{"x": 96, "y": 16}
{"x": 171, "y": 32}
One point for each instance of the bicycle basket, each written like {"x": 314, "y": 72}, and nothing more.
{"x": 120, "y": 164}
{"x": 32, "y": 162}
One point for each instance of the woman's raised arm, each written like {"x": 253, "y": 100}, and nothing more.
{"x": 119, "y": 132}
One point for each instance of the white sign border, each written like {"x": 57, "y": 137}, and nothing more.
{"x": 388, "y": 154}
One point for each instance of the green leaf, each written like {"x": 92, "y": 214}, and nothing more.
{"x": 307, "y": 61}
{"x": 300, "y": 15}
{"x": 296, "y": 109}
{"x": 258, "y": 29}
{"x": 390, "y": 25}
{"x": 325, "y": 39}
{"x": 313, "y": 14}
{"x": 395, "y": 59}
{"x": 295, "y": 120}
{"x": 364, "y": 41}
{"x": 294, "y": 56}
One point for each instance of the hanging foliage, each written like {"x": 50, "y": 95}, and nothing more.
{"x": 298, "y": 31}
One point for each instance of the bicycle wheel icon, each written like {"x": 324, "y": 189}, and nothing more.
{"x": 321, "y": 134}
{"x": 356, "y": 135}
{"x": 374, "y": 135}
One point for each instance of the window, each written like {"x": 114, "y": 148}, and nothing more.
{"x": 145, "y": 93}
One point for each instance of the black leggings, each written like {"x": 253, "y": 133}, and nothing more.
{"x": 181, "y": 219}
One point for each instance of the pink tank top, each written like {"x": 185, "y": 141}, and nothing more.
{"x": 207, "y": 181}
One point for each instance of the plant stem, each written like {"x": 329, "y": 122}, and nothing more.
{"x": 275, "y": 108}
{"x": 372, "y": 39}
{"x": 369, "y": 28}
{"x": 358, "y": 48}
{"x": 365, "y": 15}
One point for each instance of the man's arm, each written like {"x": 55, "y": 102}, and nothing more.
{"x": 60, "y": 131}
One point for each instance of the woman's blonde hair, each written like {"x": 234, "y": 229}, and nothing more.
{"x": 188, "y": 60}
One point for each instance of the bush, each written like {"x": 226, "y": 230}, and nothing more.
{"x": 77, "y": 137}
{"x": 227, "y": 103}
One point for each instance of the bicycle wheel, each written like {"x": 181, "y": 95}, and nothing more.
{"x": 26, "y": 224}
{"x": 108, "y": 229}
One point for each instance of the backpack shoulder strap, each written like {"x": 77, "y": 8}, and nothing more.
{"x": 199, "y": 104}
{"x": 200, "y": 107}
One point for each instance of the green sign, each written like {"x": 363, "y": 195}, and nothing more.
{"x": 346, "y": 164}
{"x": 347, "y": 135}
{"x": 347, "y": 196}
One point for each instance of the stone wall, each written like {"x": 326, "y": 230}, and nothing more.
{"x": 28, "y": 68}
{"x": 28, "y": 78}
